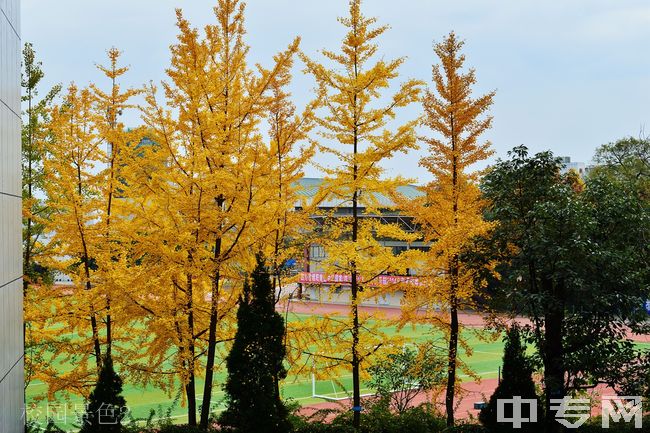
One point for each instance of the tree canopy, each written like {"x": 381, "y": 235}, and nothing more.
{"x": 574, "y": 261}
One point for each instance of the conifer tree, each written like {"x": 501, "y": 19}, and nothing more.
{"x": 517, "y": 381}
{"x": 355, "y": 123}
{"x": 255, "y": 362}
{"x": 449, "y": 213}
{"x": 106, "y": 407}
{"x": 34, "y": 147}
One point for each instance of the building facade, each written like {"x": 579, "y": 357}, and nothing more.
{"x": 11, "y": 309}
{"x": 316, "y": 285}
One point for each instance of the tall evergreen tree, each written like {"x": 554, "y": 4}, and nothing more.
{"x": 517, "y": 381}
{"x": 255, "y": 362}
{"x": 106, "y": 406}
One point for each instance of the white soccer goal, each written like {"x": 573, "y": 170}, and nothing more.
{"x": 337, "y": 394}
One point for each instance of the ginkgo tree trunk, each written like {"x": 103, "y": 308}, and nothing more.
{"x": 354, "y": 130}
{"x": 449, "y": 214}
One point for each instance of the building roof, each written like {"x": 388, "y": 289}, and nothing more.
{"x": 308, "y": 187}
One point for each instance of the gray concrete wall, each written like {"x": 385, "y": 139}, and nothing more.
{"x": 11, "y": 310}
{"x": 341, "y": 295}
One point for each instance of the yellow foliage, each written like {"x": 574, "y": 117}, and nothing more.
{"x": 89, "y": 151}
{"x": 353, "y": 123}
{"x": 211, "y": 194}
{"x": 73, "y": 190}
{"x": 158, "y": 226}
{"x": 450, "y": 212}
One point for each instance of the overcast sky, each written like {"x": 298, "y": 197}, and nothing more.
{"x": 569, "y": 75}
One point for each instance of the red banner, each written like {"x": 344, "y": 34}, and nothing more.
{"x": 381, "y": 280}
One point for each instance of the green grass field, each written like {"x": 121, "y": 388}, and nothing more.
{"x": 141, "y": 401}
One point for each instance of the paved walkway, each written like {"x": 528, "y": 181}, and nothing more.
{"x": 471, "y": 393}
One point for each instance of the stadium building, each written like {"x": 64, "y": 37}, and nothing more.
{"x": 314, "y": 284}
{"x": 11, "y": 308}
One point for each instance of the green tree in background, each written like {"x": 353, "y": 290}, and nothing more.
{"x": 34, "y": 210}
{"x": 627, "y": 160}
{"x": 106, "y": 407}
{"x": 255, "y": 362}
{"x": 517, "y": 381}
{"x": 34, "y": 146}
{"x": 576, "y": 261}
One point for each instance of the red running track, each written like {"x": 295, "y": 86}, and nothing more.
{"x": 471, "y": 393}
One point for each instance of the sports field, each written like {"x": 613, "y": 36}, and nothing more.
{"x": 485, "y": 362}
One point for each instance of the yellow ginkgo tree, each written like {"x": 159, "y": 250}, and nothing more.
{"x": 73, "y": 191}
{"x": 290, "y": 150}
{"x": 208, "y": 201}
{"x": 450, "y": 212}
{"x": 354, "y": 126}
{"x": 89, "y": 151}
{"x": 118, "y": 150}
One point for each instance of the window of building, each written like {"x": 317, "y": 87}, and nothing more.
{"x": 316, "y": 252}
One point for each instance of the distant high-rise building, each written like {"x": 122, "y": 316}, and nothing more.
{"x": 579, "y": 167}
{"x": 11, "y": 293}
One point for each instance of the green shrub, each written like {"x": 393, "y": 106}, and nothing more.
{"x": 32, "y": 426}
{"x": 467, "y": 428}
{"x": 402, "y": 376}
{"x": 180, "y": 428}
{"x": 35, "y": 427}
{"x": 420, "y": 419}
{"x": 168, "y": 428}
{"x": 51, "y": 427}
{"x": 378, "y": 418}
{"x": 319, "y": 427}
{"x": 595, "y": 425}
